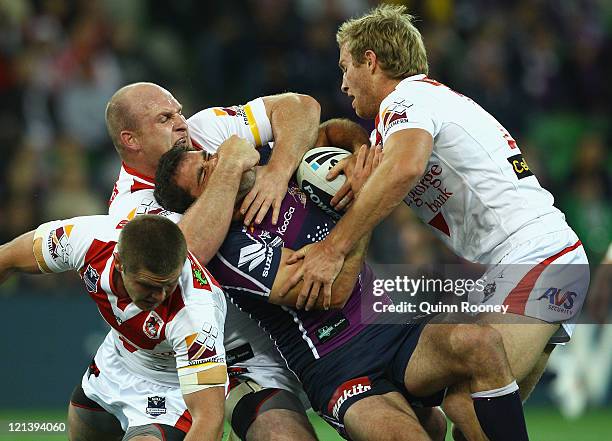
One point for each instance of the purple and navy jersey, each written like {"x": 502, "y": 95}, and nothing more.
{"x": 246, "y": 266}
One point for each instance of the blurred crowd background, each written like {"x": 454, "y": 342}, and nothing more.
{"x": 542, "y": 67}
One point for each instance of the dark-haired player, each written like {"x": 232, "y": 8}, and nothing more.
{"x": 359, "y": 373}
{"x": 166, "y": 314}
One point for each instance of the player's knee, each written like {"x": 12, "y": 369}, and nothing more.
{"x": 478, "y": 347}
{"x": 80, "y": 430}
{"x": 258, "y": 416}
{"x": 433, "y": 421}
{"x": 458, "y": 435}
{"x": 280, "y": 425}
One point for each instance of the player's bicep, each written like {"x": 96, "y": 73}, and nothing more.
{"x": 61, "y": 245}
{"x": 196, "y": 335}
{"x": 211, "y": 127}
{"x": 409, "y": 150}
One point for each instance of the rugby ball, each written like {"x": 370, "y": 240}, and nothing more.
{"x": 311, "y": 174}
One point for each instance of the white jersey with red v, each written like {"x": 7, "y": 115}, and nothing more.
{"x": 185, "y": 332}
{"x": 477, "y": 191}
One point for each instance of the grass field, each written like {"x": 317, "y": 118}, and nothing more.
{"x": 545, "y": 424}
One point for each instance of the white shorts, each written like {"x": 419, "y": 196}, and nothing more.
{"x": 545, "y": 278}
{"x": 133, "y": 400}
{"x": 269, "y": 370}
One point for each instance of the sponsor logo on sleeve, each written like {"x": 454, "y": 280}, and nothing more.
{"x": 235, "y": 111}
{"x": 156, "y": 406}
{"x": 349, "y": 389}
{"x": 201, "y": 346}
{"x": 91, "y": 277}
{"x": 149, "y": 206}
{"x": 520, "y": 167}
{"x": 396, "y": 113}
{"x": 153, "y": 325}
{"x": 59, "y": 248}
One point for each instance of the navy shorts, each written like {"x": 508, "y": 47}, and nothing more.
{"x": 372, "y": 363}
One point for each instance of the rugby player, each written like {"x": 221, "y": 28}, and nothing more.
{"x": 166, "y": 314}
{"x": 464, "y": 175}
{"x": 144, "y": 121}
{"x": 359, "y": 373}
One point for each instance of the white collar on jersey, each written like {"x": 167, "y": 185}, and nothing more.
{"x": 412, "y": 78}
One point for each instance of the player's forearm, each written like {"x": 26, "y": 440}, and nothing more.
{"x": 206, "y": 408}
{"x": 343, "y": 133}
{"x": 295, "y": 120}
{"x": 383, "y": 191}
{"x": 207, "y": 221}
{"x": 205, "y": 430}
{"x": 18, "y": 256}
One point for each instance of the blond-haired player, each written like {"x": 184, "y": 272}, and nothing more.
{"x": 464, "y": 175}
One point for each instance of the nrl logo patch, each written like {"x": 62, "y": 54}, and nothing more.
{"x": 156, "y": 406}
{"x": 91, "y": 277}
{"x": 489, "y": 290}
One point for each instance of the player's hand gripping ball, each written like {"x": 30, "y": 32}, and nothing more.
{"x": 311, "y": 174}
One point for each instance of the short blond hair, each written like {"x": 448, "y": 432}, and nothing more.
{"x": 387, "y": 30}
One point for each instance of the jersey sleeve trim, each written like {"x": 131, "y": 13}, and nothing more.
{"x": 40, "y": 235}
{"x": 260, "y": 125}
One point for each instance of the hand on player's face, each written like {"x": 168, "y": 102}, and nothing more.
{"x": 194, "y": 171}
{"x": 238, "y": 153}
{"x": 268, "y": 191}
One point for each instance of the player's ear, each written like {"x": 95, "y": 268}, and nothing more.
{"x": 117, "y": 264}
{"x": 129, "y": 140}
{"x": 370, "y": 60}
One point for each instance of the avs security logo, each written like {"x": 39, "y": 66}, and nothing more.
{"x": 558, "y": 301}
{"x": 153, "y": 325}
{"x": 347, "y": 390}
{"x": 395, "y": 114}
{"x": 156, "y": 406}
{"x": 520, "y": 167}
{"x": 257, "y": 253}
{"x": 58, "y": 245}
{"x": 201, "y": 346}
